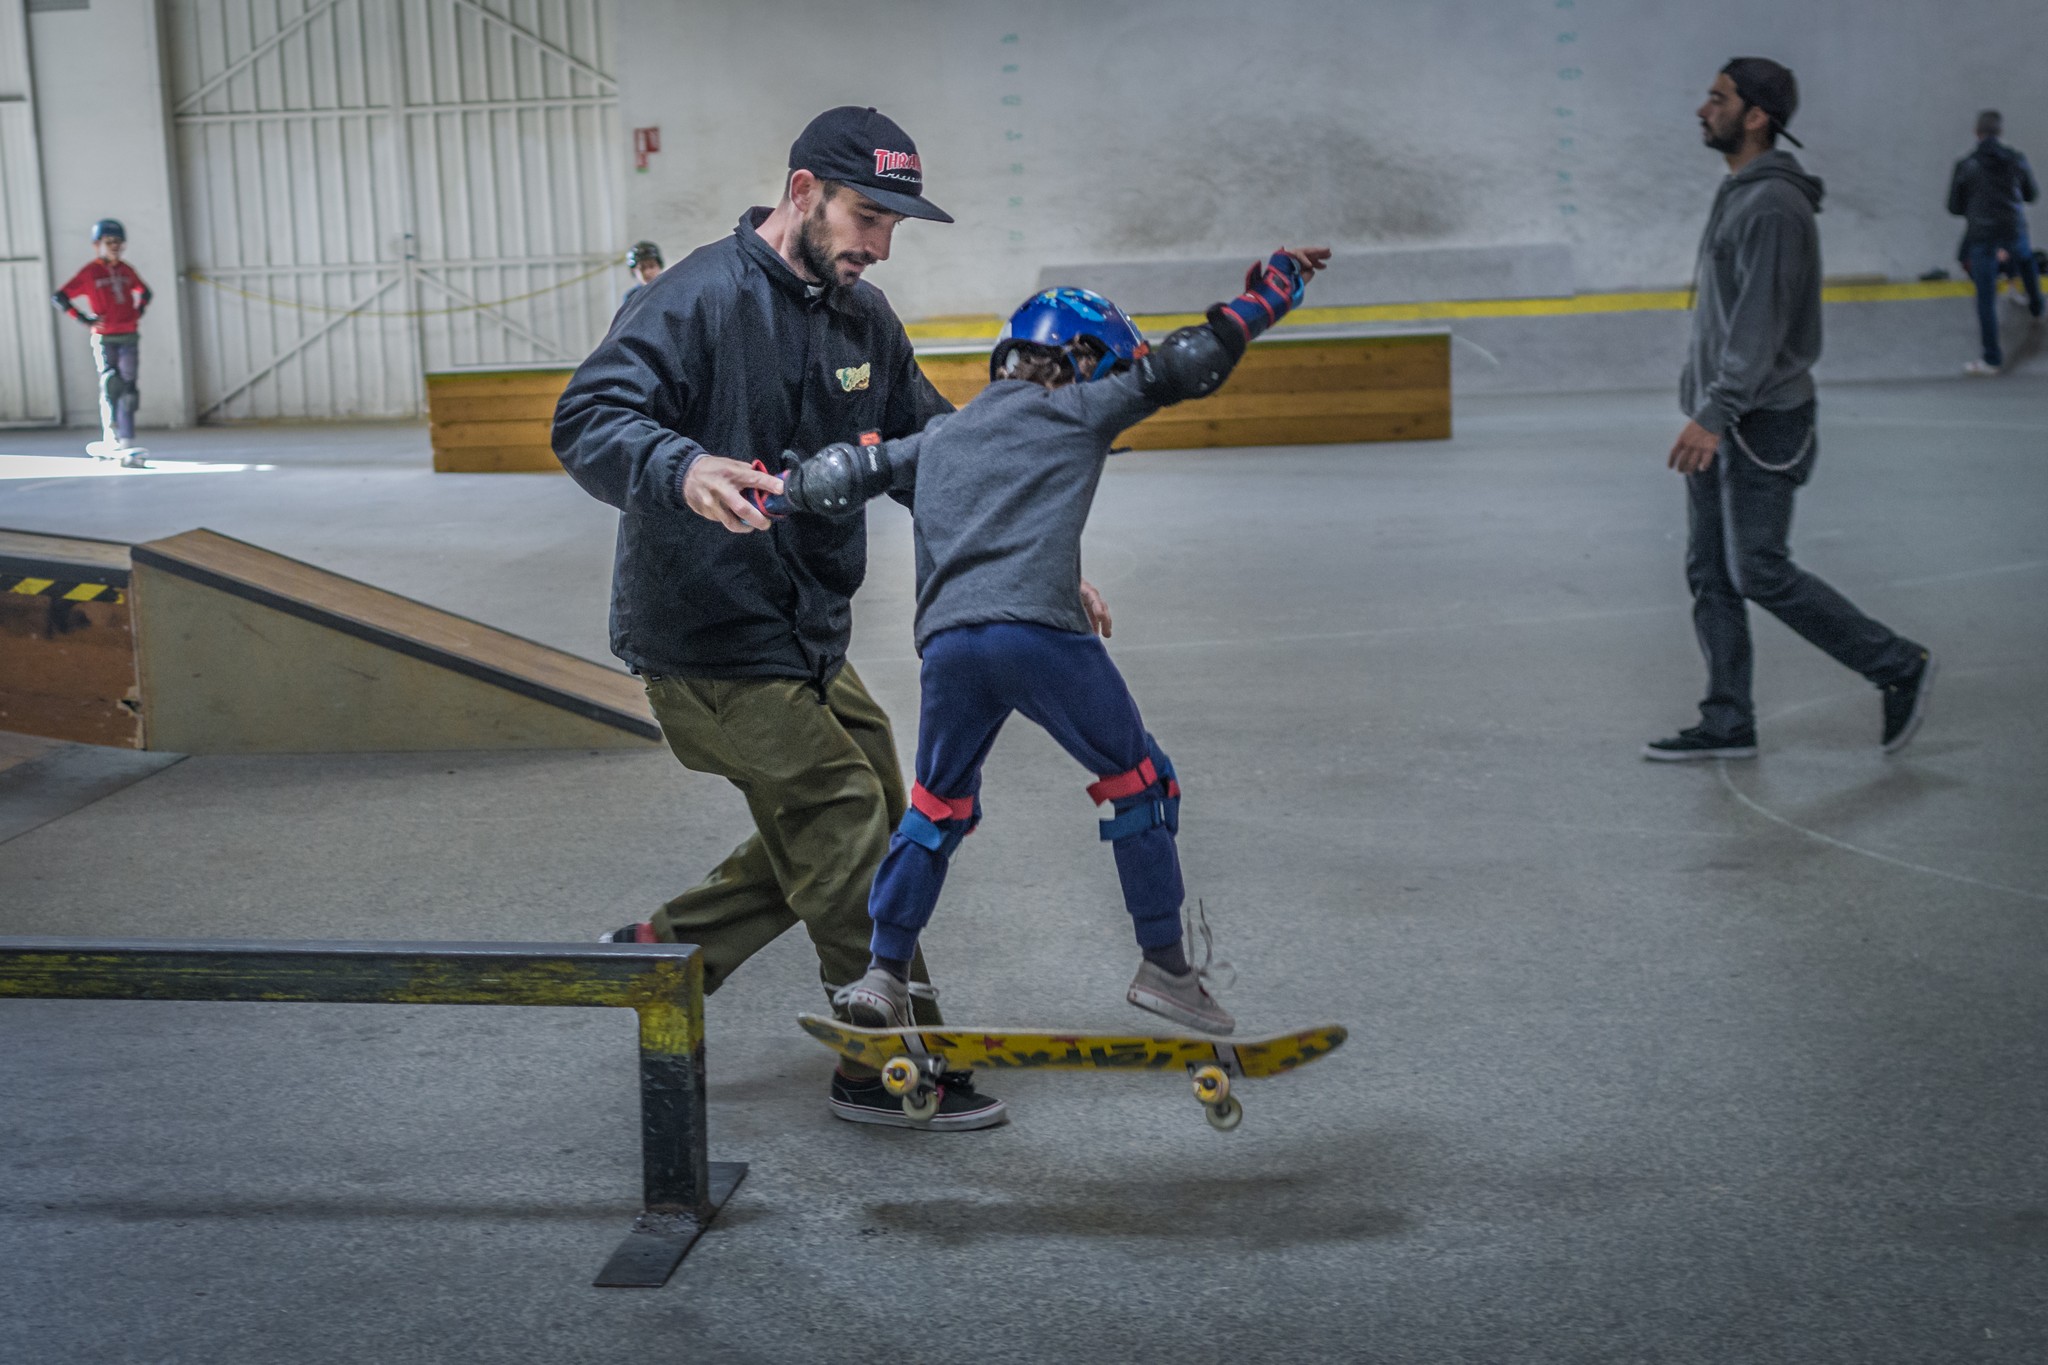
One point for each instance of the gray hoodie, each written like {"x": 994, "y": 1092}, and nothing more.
{"x": 1756, "y": 325}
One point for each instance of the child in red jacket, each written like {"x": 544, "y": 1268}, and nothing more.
{"x": 117, "y": 297}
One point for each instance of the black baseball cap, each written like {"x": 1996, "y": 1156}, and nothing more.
{"x": 866, "y": 150}
{"x": 1768, "y": 86}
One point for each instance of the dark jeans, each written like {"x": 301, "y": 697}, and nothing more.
{"x": 1740, "y": 518}
{"x": 1981, "y": 260}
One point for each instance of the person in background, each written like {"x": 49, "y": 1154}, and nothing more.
{"x": 117, "y": 298}
{"x": 643, "y": 259}
{"x": 1750, "y": 440}
{"x": 1987, "y": 191}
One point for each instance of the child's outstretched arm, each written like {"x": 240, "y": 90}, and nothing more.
{"x": 1194, "y": 361}
{"x": 843, "y": 478}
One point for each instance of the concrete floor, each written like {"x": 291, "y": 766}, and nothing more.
{"x": 1646, "y": 1064}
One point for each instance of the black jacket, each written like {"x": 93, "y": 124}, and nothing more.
{"x": 1987, "y": 189}
{"x": 730, "y": 352}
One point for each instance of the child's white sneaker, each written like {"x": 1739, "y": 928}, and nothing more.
{"x": 877, "y": 1000}
{"x": 1185, "y": 999}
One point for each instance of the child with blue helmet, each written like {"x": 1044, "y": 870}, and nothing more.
{"x": 117, "y": 298}
{"x": 1001, "y": 491}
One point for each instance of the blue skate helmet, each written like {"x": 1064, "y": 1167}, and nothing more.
{"x": 1057, "y": 319}
{"x": 109, "y": 227}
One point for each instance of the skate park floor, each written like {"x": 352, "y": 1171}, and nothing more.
{"x": 1666, "y": 1063}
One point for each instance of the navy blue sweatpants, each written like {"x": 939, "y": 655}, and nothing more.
{"x": 973, "y": 678}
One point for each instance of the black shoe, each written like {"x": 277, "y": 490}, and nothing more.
{"x": 1905, "y": 705}
{"x": 961, "y": 1106}
{"x": 640, "y": 932}
{"x": 1695, "y": 743}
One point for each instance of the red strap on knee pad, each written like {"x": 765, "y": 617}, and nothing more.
{"x": 938, "y": 807}
{"x": 1119, "y": 785}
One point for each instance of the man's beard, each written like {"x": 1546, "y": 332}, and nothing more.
{"x": 1723, "y": 140}
{"x": 814, "y": 248}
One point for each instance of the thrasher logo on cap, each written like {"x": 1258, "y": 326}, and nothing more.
{"x": 899, "y": 165}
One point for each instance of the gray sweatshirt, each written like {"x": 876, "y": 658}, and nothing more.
{"x": 1003, "y": 491}
{"x": 1756, "y": 326}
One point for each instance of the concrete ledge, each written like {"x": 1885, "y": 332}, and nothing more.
{"x": 1393, "y": 275}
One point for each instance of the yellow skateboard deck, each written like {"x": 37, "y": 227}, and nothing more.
{"x": 912, "y": 1059}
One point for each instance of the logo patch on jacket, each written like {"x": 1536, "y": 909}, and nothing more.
{"x": 854, "y": 380}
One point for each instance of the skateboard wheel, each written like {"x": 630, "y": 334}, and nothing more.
{"x": 921, "y": 1105}
{"x": 1225, "y": 1114}
{"x": 899, "y": 1076}
{"x": 1212, "y": 1084}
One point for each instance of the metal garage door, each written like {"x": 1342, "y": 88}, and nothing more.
{"x": 372, "y": 189}
{"x": 28, "y": 345}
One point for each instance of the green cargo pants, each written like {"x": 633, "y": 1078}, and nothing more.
{"x": 820, "y": 777}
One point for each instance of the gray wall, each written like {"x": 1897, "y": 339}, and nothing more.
{"x": 101, "y": 122}
{"x": 1196, "y": 128}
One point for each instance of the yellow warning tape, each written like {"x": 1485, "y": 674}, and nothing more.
{"x": 978, "y": 326}
{"x": 59, "y": 588}
{"x": 200, "y": 277}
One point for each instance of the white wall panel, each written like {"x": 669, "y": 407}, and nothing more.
{"x": 28, "y": 355}
{"x": 376, "y": 188}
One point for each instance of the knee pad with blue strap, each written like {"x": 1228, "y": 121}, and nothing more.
{"x": 920, "y": 822}
{"x": 1144, "y": 798}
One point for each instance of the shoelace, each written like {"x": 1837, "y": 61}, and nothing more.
{"x": 1208, "y": 968}
{"x": 919, "y": 990}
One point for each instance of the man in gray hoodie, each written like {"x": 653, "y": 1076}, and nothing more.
{"x": 1750, "y": 441}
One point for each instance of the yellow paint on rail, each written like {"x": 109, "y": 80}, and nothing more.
{"x": 668, "y": 996}
{"x": 968, "y": 327}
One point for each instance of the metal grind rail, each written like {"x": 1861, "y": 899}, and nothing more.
{"x": 662, "y": 983}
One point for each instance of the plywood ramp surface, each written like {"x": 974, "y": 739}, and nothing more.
{"x": 244, "y": 650}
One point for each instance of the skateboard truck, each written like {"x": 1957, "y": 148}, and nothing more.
{"x": 1212, "y": 1088}
{"x": 915, "y": 1081}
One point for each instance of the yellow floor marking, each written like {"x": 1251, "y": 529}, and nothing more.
{"x": 1625, "y": 301}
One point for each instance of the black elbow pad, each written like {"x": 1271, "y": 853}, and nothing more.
{"x": 1191, "y": 363}
{"x": 838, "y": 480}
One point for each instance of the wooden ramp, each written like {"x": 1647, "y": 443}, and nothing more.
{"x": 239, "y": 650}
{"x": 1288, "y": 390}
{"x": 495, "y": 421}
{"x": 67, "y": 648}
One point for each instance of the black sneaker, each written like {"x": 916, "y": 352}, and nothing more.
{"x": 1695, "y": 743}
{"x": 961, "y": 1106}
{"x": 640, "y": 932}
{"x": 1905, "y": 705}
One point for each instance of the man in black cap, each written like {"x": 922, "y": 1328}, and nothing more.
{"x": 765, "y": 342}
{"x": 1750, "y": 441}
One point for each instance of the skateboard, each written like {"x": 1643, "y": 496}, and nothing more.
{"x": 912, "y": 1059}
{"x": 2027, "y": 347}
{"x": 131, "y": 457}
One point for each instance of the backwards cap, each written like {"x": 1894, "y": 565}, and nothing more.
{"x": 1768, "y": 86}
